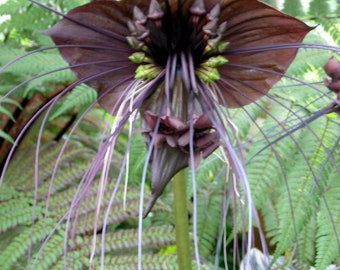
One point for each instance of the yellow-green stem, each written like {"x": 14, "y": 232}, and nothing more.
{"x": 181, "y": 221}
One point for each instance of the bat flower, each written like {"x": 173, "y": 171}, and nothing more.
{"x": 171, "y": 146}
{"x": 177, "y": 62}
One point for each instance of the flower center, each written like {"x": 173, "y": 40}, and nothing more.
{"x": 192, "y": 39}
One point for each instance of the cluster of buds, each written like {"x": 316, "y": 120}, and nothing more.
{"x": 171, "y": 146}
{"x": 332, "y": 69}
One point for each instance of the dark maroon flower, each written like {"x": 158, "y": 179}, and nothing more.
{"x": 176, "y": 62}
{"x": 171, "y": 146}
{"x": 332, "y": 69}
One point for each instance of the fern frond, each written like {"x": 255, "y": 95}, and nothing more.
{"x": 81, "y": 95}
{"x": 154, "y": 238}
{"x": 298, "y": 200}
{"x": 319, "y": 8}
{"x": 4, "y": 110}
{"x": 85, "y": 222}
{"x": 5, "y": 136}
{"x": 52, "y": 251}
{"x": 209, "y": 210}
{"x": 328, "y": 231}
{"x": 21, "y": 179}
{"x": 37, "y": 63}
{"x": 24, "y": 160}
{"x": 150, "y": 262}
{"x": 266, "y": 169}
{"x": 7, "y": 193}
{"x": 293, "y": 8}
{"x": 271, "y": 219}
{"x": 244, "y": 119}
{"x": 137, "y": 159}
{"x": 16, "y": 212}
{"x": 306, "y": 244}
{"x": 331, "y": 27}
{"x": 267, "y": 165}
{"x": 25, "y": 19}
{"x": 16, "y": 249}
{"x": 64, "y": 178}
{"x": 316, "y": 61}
{"x": 74, "y": 260}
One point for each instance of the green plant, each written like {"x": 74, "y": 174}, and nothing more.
{"x": 293, "y": 174}
{"x": 37, "y": 222}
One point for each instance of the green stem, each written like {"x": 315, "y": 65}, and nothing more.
{"x": 181, "y": 221}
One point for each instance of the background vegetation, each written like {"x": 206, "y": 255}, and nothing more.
{"x": 295, "y": 181}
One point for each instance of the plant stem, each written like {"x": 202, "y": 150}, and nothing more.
{"x": 181, "y": 221}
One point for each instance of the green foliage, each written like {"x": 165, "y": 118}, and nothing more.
{"x": 294, "y": 182}
{"x": 328, "y": 220}
{"x": 27, "y": 218}
{"x": 42, "y": 72}
{"x": 82, "y": 96}
{"x": 293, "y": 7}
{"x": 290, "y": 180}
{"x": 209, "y": 204}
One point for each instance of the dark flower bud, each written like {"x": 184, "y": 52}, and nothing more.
{"x": 171, "y": 149}
{"x": 332, "y": 69}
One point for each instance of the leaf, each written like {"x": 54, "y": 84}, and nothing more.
{"x": 293, "y": 8}
{"x": 328, "y": 231}
{"x": 121, "y": 241}
{"x": 6, "y": 136}
{"x": 16, "y": 249}
{"x": 319, "y": 8}
{"x": 298, "y": 201}
{"x": 81, "y": 96}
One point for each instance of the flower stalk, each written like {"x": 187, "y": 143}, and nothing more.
{"x": 181, "y": 221}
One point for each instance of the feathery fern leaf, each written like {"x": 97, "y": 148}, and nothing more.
{"x": 16, "y": 249}
{"x": 74, "y": 260}
{"x": 328, "y": 231}
{"x": 5, "y": 136}
{"x": 7, "y": 193}
{"x": 293, "y": 8}
{"x": 319, "y": 8}
{"x": 81, "y": 95}
{"x": 37, "y": 63}
{"x": 150, "y": 262}
{"x": 48, "y": 159}
{"x": 298, "y": 201}
{"x": 16, "y": 212}
{"x": 154, "y": 238}
{"x": 306, "y": 244}
{"x": 52, "y": 251}
{"x": 209, "y": 205}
